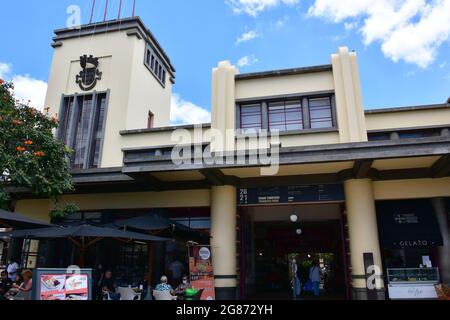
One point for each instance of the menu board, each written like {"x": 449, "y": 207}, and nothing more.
{"x": 201, "y": 271}
{"x": 64, "y": 287}
{"x": 291, "y": 194}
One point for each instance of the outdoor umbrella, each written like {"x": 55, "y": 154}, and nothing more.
{"x": 82, "y": 236}
{"x": 15, "y": 220}
{"x": 155, "y": 222}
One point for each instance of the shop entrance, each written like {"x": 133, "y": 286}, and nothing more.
{"x": 275, "y": 240}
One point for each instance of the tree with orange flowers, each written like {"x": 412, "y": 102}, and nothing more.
{"x": 30, "y": 157}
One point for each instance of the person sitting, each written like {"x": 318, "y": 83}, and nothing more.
{"x": 183, "y": 286}
{"x": 164, "y": 286}
{"x": 108, "y": 286}
{"x": 24, "y": 288}
{"x": 5, "y": 284}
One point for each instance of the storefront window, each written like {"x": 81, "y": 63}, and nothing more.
{"x": 3, "y": 252}
{"x": 132, "y": 262}
{"x": 30, "y": 254}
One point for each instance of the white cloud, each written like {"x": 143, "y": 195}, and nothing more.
{"x": 185, "y": 112}
{"x": 254, "y": 7}
{"x": 26, "y": 88}
{"x": 247, "y": 36}
{"x": 247, "y": 61}
{"x": 408, "y": 30}
{"x": 5, "y": 69}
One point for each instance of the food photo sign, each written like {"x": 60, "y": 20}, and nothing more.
{"x": 59, "y": 284}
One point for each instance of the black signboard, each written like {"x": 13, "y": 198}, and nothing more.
{"x": 291, "y": 194}
{"x": 408, "y": 224}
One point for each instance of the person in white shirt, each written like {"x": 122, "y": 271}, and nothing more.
{"x": 315, "y": 277}
{"x": 12, "y": 269}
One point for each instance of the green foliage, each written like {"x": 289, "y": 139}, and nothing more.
{"x": 60, "y": 213}
{"x": 30, "y": 156}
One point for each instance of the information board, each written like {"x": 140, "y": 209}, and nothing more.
{"x": 291, "y": 194}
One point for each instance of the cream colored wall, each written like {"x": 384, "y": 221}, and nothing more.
{"x": 411, "y": 189}
{"x": 408, "y": 119}
{"x": 362, "y": 228}
{"x": 284, "y": 85}
{"x": 163, "y": 138}
{"x": 40, "y": 209}
{"x": 223, "y": 234}
{"x": 223, "y": 107}
{"x": 133, "y": 89}
{"x": 36, "y": 209}
{"x": 147, "y": 94}
{"x": 349, "y": 102}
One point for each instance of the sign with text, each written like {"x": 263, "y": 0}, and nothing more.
{"x": 291, "y": 194}
{"x": 59, "y": 284}
{"x": 202, "y": 271}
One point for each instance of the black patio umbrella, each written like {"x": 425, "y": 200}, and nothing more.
{"x": 15, "y": 220}
{"x": 82, "y": 236}
{"x": 155, "y": 222}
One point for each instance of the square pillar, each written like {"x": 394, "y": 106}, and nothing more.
{"x": 441, "y": 212}
{"x": 364, "y": 242}
{"x": 223, "y": 241}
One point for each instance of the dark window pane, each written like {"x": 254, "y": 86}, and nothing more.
{"x": 81, "y": 140}
{"x": 99, "y": 130}
{"x": 66, "y": 119}
{"x": 149, "y": 54}
{"x": 285, "y": 116}
{"x": 251, "y": 117}
{"x": 320, "y": 113}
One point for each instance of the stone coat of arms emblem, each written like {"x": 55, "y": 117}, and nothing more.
{"x": 88, "y": 77}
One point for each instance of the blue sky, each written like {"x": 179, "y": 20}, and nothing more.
{"x": 403, "y": 45}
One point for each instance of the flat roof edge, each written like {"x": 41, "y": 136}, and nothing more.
{"x": 112, "y": 26}
{"x": 408, "y": 108}
{"x": 284, "y": 72}
{"x": 163, "y": 129}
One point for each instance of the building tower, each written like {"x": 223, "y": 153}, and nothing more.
{"x": 107, "y": 77}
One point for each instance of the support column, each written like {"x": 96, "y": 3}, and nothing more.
{"x": 364, "y": 242}
{"x": 440, "y": 209}
{"x": 223, "y": 242}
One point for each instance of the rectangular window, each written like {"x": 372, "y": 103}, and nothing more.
{"x": 251, "y": 117}
{"x": 152, "y": 66}
{"x": 149, "y": 54}
{"x": 151, "y": 118}
{"x": 82, "y": 128}
{"x": 320, "y": 112}
{"x": 30, "y": 254}
{"x": 155, "y": 65}
{"x": 285, "y": 116}
{"x": 82, "y": 132}
{"x": 290, "y": 114}
{"x": 99, "y": 130}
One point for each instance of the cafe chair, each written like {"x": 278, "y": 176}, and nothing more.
{"x": 107, "y": 296}
{"x": 163, "y": 296}
{"x": 128, "y": 294}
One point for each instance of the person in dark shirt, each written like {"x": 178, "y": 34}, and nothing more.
{"x": 5, "y": 284}
{"x": 108, "y": 285}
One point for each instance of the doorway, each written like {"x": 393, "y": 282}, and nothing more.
{"x": 274, "y": 240}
